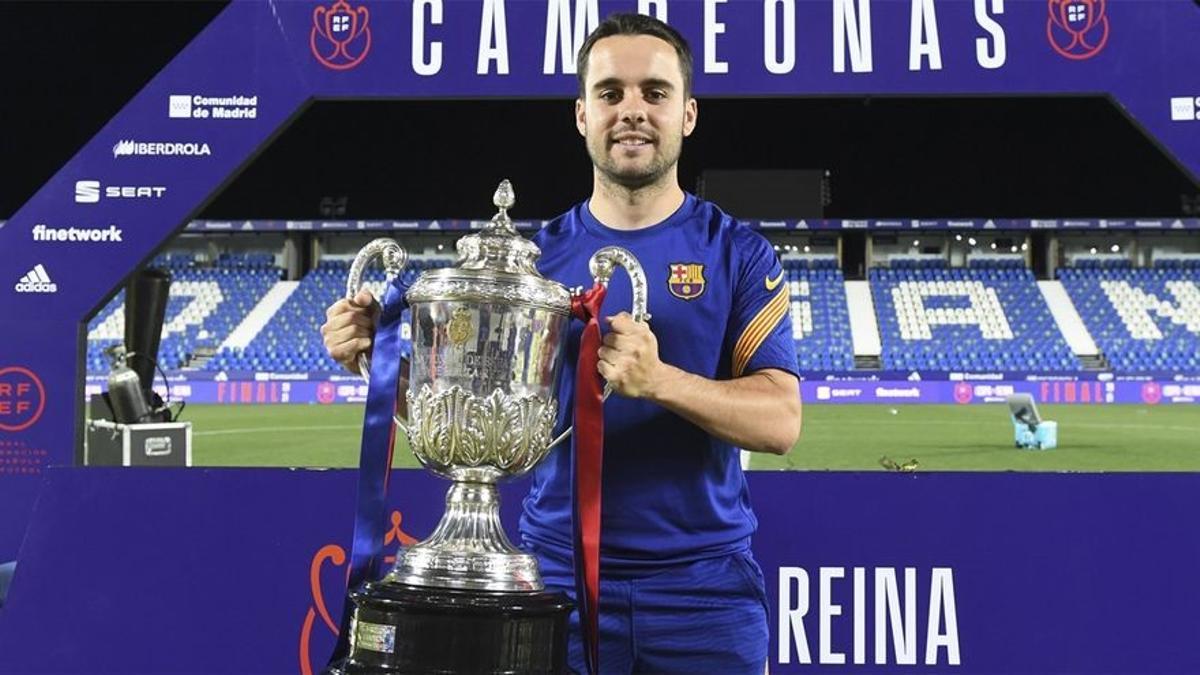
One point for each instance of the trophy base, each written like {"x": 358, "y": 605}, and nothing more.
{"x": 410, "y": 629}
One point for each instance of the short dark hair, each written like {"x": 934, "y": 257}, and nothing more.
{"x": 635, "y": 24}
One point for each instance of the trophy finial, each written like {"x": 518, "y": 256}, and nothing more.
{"x": 504, "y": 198}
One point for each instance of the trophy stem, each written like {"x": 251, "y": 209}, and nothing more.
{"x": 469, "y": 549}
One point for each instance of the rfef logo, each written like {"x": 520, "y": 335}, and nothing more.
{"x": 340, "y": 38}
{"x": 1077, "y": 29}
{"x": 22, "y": 398}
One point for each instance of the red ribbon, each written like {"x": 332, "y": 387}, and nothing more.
{"x": 589, "y": 461}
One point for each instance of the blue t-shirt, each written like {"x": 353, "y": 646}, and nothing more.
{"x": 671, "y": 493}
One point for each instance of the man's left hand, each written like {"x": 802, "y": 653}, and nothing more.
{"x": 629, "y": 357}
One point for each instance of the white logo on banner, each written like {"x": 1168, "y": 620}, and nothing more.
{"x": 110, "y": 234}
{"x": 87, "y": 191}
{"x": 187, "y": 106}
{"x": 128, "y": 148}
{"x": 36, "y": 281}
{"x": 180, "y": 106}
{"x": 1183, "y": 108}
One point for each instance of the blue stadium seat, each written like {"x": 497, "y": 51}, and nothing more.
{"x": 204, "y": 306}
{"x": 979, "y": 319}
{"x": 1142, "y": 319}
{"x": 820, "y": 317}
{"x": 291, "y": 342}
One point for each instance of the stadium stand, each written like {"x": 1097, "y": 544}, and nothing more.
{"x": 1143, "y": 319}
{"x": 205, "y": 305}
{"x": 989, "y": 316}
{"x": 820, "y": 317}
{"x": 979, "y": 319}
{"x": 290, "y": 341}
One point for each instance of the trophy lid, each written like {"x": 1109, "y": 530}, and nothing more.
{"x": 494, "y": 265}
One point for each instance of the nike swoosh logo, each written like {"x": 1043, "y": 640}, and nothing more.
{"x": 771, "y": 284}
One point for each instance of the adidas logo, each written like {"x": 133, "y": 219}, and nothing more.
{"x": 36, "y": 281}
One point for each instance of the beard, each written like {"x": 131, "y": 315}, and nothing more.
{"x": 638, "y": 174}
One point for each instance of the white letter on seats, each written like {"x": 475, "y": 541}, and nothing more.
{"x": 985, "y": 310}
{"x": 1134, "y": 305}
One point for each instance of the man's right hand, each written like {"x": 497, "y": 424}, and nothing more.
{"x": 349, "y": 329}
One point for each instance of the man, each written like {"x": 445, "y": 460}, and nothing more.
{"x": 714, "y": 371}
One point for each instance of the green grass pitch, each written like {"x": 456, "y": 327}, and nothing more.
{"x": 835, "y": 437}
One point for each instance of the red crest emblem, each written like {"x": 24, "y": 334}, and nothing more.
{"x": 685, "y": 280}
{"x": 1077, "y": 29}
{"x": 340, "y": 37}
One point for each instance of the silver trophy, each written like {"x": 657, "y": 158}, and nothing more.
{"x": 487, "y": 345}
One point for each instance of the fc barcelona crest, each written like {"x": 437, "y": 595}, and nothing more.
{"x": 686, "y": 280}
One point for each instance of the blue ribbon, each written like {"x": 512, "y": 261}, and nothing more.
{"x": 375, "y": 458}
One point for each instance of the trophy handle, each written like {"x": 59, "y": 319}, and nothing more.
{"x": 602, "y": 265}
{"x": 395, "y": 259}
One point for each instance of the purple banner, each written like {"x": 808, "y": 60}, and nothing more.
{"x": 236, "y": 571}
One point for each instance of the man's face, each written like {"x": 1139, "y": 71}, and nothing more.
{"x": 634, "y": 114}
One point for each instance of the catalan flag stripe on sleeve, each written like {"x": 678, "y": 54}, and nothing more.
{"x": 759, "y": 328}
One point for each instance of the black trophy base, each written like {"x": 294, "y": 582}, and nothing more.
{"x": 411, "y": 629}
